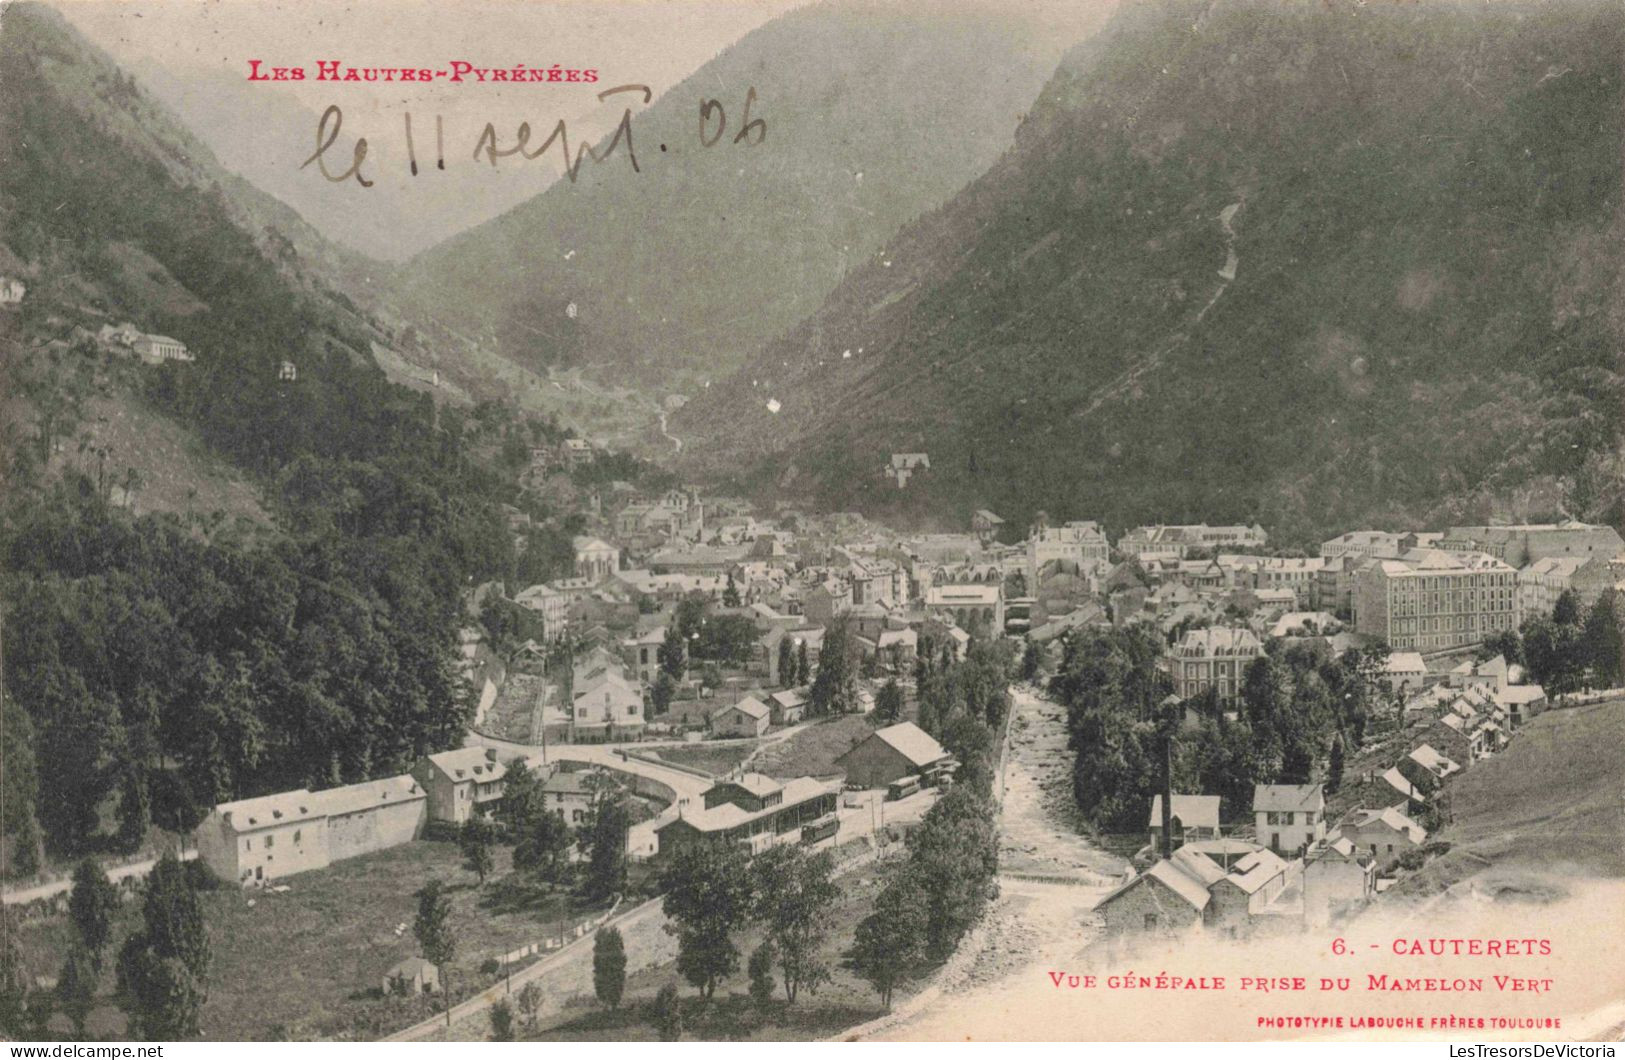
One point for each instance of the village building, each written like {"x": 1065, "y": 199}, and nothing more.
{"x": 756, "y": 812}
{"x": 986, "y": 525}
{"x": 1227, "y": 886}
{"x": 553, "y": 607}
{"x": 904, "y": 466}
{"x": 156, "y": 349}
{"x": 1289, "y": 817}
{"x": 569, "y": 794}
{"x": 411, "y": 976}
{"x": 1338, "y": 879}
{"x": 605, "y": 706}
{"x": 1180, "y": 541}
{"x": 1216, "y": 658}
{"x": 255, "y": 840}
{"x": 1194, "y": 817}
{"x": 748, "y": 717}
{"x": 1364, "y": 544}
{"x": 1523, "y": 544}
{"x": 1385, "y": 834}
{"x": 787, "y": 706}
{"x": 970, "y": 605}
{"x": 461, "y": 783}
{"x": 893, "y": 753}
{"x": 1404, "y": 672}
{"x": 1543, "y": 581}
{"x": 11, "y": 291}
{"x": 595, "y": 559}
{"x": 1435, "y": 600}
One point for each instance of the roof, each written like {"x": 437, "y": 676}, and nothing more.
{"x": 1177, "y": 880}
{"x": 591, "y": 544}
{"x": 468, "y": 763}
{"x": 1284, "y": 797}
{"x": 1389, "y": 818}
{"x": 910, "y": 741}
{"x": 267, "y": 811}
{"x": 750, "y": 705}
{"x": 758, "y": 784}
{"x": 1256, "y": 869}
{"x": 1431, "y": 760}
{"x": 410, "y": 968}
{"x": 1220, "y": 640}
{"x": 1404, "y": 662}
{"x": 729, "y": 814}
{"x": 1193, "y": 811}
{"x": 354, "y": 798}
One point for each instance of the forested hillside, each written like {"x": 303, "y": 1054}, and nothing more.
{"x": 158, "y": 661}
{"x": 1313, "y": 264}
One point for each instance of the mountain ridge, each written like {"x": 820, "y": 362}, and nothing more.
{"x": 1077, "y": 331}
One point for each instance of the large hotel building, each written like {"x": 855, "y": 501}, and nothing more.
{"x": 1434, "y": 600}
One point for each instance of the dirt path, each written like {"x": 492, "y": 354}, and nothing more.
{"x": 1050, "y": 877}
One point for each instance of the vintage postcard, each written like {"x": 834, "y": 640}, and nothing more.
{"x": 812, "y": 520}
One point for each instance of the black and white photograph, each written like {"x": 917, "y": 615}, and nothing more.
{"x": 817, "y": 521}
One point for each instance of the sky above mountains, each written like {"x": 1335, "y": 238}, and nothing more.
{"x": 195, "y": 58}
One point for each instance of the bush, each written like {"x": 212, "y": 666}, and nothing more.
{"x": 202, "y": 878}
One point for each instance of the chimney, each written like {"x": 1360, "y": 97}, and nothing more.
{"x": 490, "y": 754}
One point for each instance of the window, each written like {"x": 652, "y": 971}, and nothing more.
{"x": 1150, "y": 920}
{"x": 296, "y": 836}
{"x": 270, "y": 841}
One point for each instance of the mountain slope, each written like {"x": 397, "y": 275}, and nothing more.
{"x": 1315, "y": 264}
{"x": 872, "y": 115}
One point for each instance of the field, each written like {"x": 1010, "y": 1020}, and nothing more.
{"x": 714, "y": 758}
{"x": 1549, "y": 802}
{"x": 812, "y": 751}
{"x": 841, "y": 1003}
{"x": 307, "y": 963}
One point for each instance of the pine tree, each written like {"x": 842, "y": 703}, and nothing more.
{"x": 609, "y": 966}
{"x": 1334, "y": 767}
{"x": 502, "y": 1022}
{"x": 668, "y": 1013}
{"x": 164, "y": 967}
{"x": 803, "y": 666}
{"x": 474, "y": 841}
{"x": 432, "y": 929}
{"x": 134, "y": 811}
{"x": 91, "y": 907}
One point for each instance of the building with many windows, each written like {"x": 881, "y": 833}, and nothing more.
{"x": 1436, "y": 600}
{"x": 1215, "y": 658}
{"x": 1524, "y": 544}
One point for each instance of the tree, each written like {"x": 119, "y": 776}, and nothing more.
{"x": 530, "y": 1002}
{"x": 521, "y": 799}
{"x": 542, "y": 846}
{"x": 1506, "y": 643}
{"x": 795, "y": 897}
{"x": 1602, "y": 642}
{"x": 502, "y": 1022}
{"x": 708, "y": 896}
{"x": 1567, "y": 610}
{"x": 609, "y": 966}
{"x": 1032, "y": 659}
{"x": 1334, "y": 767}
{"x": 953, "y": 857}
{"x": 432, "y": 929}
{"x": 605, "y": 840}
{"x": 890, "y": 942}
{"x": 787, "y": 662}
{"x": 163, "y": 967}
{"x": 803, "y": 666}
{"x": 760, "y": 970}
{"x": 673, "y": 654}
{"x": 730, "y": 593}
{"x": 835, "y": 689}
{"x": 474, "y": 841}
{"x": 668, "y": 1013}
{"x": 14, "y": 977}
{"x": 662, "y": 692}
{"x": 76, "y": 988}
{"x": 91, "y": 908}
{"x": 889, "y": 702}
